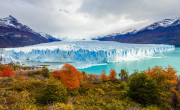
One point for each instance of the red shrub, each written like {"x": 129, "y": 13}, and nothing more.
{"x": 6, "y": 71}
{"x": 56, "y": 74}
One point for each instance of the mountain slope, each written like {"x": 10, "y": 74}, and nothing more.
{"x": 15, "y": 34}
{"x": 162, "y": 32}
{"x": 48, "y": 37}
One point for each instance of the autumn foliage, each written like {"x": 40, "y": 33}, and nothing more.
{"x": 69, "y": 75}
{"x": 6, "y": 71}
{"x": 163, "y": 76}
{"x": 103, "y": 76}
{"x": 22, "y": 77}
{"x": 85, "y": 76}
{"x": 166, "y": 80}
{"x": 112, "y": 75}
{"x": 56, "y": 75}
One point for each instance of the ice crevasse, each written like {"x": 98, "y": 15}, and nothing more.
{"x": 92, "y": 52}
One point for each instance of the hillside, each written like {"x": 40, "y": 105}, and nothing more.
{"x": 15, "y": 34}
{"x": 23, "y": 88}
{"x": 166, "y": 31}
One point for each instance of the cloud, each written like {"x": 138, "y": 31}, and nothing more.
{"x": 135, "y": 9}
{"x": 87, "y": 18}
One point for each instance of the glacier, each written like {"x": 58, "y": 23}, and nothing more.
{"x": 83, "y": 52}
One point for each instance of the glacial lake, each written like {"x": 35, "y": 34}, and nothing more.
{"x": 170, "y": 58}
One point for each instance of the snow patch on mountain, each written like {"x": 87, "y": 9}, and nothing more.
{"x": 48, "y": 37}
{"x": 163, "y": 23}
{"x": 13, "y": 22}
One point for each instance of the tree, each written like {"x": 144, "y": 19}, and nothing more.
{"x": 69, "y": 76}
{"x": 103, "y": 76}
{"x": 123, "y": 75}
{"x": 112, "y": 75}
{"x": 166, "y": 79}
{"x": 143, "y": 89}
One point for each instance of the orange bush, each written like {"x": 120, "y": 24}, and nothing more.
{"x": 69, "y": 75}
{"x": 163, "y": 76}
{"x": 85, "y": 76}
{"x": 166, "y": 80}
{"x": 56, "y": 74}
{"x": 6, "y": 71}
{"x": 81, "y": 76}
{"x": 112, "y": 75}
{"x": 103, "y": 76}
{"x": 22, "y": 77}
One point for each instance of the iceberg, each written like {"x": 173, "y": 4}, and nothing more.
{"x": 83, "y": 52}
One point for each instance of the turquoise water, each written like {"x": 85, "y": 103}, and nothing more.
{"x": 170, "y": 58}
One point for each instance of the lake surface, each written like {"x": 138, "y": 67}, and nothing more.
{"x": 170, "y": 58}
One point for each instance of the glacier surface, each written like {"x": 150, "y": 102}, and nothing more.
{"x": 83, "y": 52}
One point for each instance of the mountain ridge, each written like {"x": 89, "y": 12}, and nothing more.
{"x": 166, "y": 31}
{"x": 15, "y": 34}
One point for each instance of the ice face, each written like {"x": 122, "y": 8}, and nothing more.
{"x": 88, "y": 52}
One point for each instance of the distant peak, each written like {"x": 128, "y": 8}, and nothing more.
{"x": 10, "y": 16}
{"x": 163, "y": 23}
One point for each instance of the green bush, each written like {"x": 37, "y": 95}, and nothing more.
{"x": 34, "y": 73}
{"x": 117, "y": 105}
{"x": 6, "y": 82}
{"x": 45, "y": 72}
{"x": 123, "y": 86}
{"x": 86, "y": 85}
{"x": 143, "y": 89}
{"x": 20, "y": 101}
{"x": 61, "y": 106}
{"x": 151, "y": 108}
{"x": 74, "y": 92}
{"x": 30, "y": 85}
{"x": 54, "y": 92}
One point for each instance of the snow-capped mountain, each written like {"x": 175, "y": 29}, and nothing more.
{"x": 163, "y": 23}
{"x": 166, "y": 31}
{"x": 48, "y": 37}
{"x": 15, "y": 34}
{"x": 131, "y": 31}
{"x": 13, "y": 22}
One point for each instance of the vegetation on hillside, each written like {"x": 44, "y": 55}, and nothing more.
{"x": 70, "y": 89}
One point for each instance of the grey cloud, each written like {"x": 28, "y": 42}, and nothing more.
{"x": 88, "y": 18}
{"x": 135, "y": 9}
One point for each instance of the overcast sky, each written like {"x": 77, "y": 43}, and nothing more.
{"x": 79, "y": 19}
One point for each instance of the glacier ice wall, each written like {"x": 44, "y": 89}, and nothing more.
{"x": 90, "y": 52}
